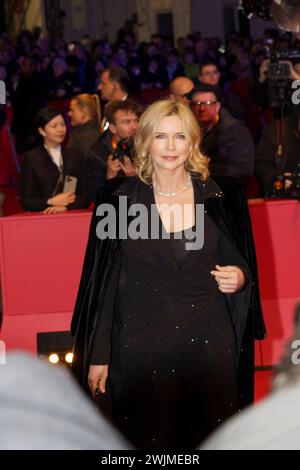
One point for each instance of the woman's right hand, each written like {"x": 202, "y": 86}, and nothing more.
{"x": 97, "y": 378}
{"x": 62, "y": 199}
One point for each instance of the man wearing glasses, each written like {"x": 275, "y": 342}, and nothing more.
{"x": 209, "y": 74}
{"x": 226, "y": 140}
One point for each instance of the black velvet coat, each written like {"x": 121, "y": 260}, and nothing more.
{"x": 226, "y": 204}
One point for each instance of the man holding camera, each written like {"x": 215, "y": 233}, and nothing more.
{"x": 272, "y": 89}
{"x": 106, "y": 160}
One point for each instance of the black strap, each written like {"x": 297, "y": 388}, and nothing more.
{"x": 280, "y": 157}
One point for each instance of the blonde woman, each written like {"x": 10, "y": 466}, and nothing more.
{"x": 85, "y": 117}
{"x": 159, "y": 327}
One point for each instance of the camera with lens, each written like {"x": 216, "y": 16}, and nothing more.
{"x": 278, "y": 70}
{"x": 293, "y": 191}
{"x": 125, "y": 148}
{"x": 279, "y": 76}
{"x": 280, "y": 189}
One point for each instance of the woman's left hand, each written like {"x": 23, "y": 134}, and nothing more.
{"x": 230, "y": 279}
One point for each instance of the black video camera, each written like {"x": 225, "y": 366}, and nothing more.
{"x": 279, "y": 78}
{"x": 125, "y": 148}
{"x": 278, "y": 70}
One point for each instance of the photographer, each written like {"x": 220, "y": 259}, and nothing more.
{"x": 103, "y": 161}
{"x": 268, "y": 91}
{"x": 278, "y": 151}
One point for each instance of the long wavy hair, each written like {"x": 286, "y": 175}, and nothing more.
{"x": 196, "y": 163}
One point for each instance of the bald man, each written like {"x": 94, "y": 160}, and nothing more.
{"x": 180, "y": 87}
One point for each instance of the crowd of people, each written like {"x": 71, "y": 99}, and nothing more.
{"x": 80, "y": 77}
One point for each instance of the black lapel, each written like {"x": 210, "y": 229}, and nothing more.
{"x": 215, "y": 208}
{"x": 49, "y": 162}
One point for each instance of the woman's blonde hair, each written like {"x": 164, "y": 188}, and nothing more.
{"x": 196, "y": 162}
{"x": 91, "y": 103}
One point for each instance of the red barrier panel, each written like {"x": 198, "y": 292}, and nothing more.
{"x": 276, "y": 227}
{"x": 41, "y": 261}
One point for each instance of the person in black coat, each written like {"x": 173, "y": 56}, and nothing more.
{"x": 44, "y": 170}
{"x": 85, "y": 116}
{"x": 226, "y": 140}
{"x": 278, "y": 152}
{"x": 165, "y": 331}
{"x": 28, "y": 98}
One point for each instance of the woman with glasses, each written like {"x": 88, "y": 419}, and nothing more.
{"x": 46, "y": 169}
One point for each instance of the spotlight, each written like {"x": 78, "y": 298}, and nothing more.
{"x": 56, "y": 347}
{"x": 69, "y": 358}
{"x": 54, "y": 358}
{"x": 286, "y": 13}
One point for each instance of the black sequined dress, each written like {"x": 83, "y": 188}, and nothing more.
{"x": 171, "y": 343}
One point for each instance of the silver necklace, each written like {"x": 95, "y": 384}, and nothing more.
{"x": 161, "y": 193}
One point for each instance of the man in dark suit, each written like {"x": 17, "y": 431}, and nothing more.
{"x": 226, "y": 140}
{"x": 114, "y": 85}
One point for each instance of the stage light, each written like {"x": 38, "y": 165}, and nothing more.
{"x": 58, "y": 344}
{"x": 69, "y": 358}
{"x": 54, "y": 358}
{"x": 286, "y": 13}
